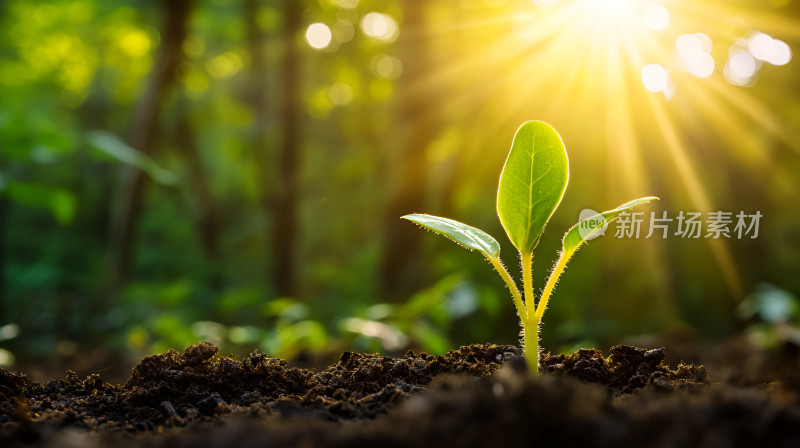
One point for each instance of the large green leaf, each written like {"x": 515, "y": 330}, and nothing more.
{"x": 575, "y": 236}
{"x": 532, "y": 183}
{"x": 61, "y": 202}
{"x": 467, "y": 236}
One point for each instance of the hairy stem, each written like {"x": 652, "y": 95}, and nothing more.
{"x": 527, "y": 283}
{"x": 512, "y": 286}
{"x": 531, "y": 347}
{"x": 531, "y": 326}
{"x": 551, "y": 283}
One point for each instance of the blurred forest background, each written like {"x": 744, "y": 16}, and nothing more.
{"x": 234, "y": 171}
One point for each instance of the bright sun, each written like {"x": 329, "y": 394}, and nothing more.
{"x": 642, "y": 72}
{"x": 609, "y": 8}
{"x": 631, "y": 63}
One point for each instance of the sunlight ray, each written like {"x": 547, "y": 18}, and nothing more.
{"x": 755, "y": 111}
{"x": 726, "y": 125}
{"x": 589, "y": 63}
{"x": 621, "y": 130}
{"x": 698, "y": 197}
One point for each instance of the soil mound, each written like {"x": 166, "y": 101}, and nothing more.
{"x": 478, "y": 395}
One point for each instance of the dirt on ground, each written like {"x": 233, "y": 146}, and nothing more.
{"x": 478, "y": 395}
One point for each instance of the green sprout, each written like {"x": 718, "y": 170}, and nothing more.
{"x": 532, "y": 184}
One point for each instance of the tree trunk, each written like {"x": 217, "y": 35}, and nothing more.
{"x": 284, "y": 207}
{"x": 277, "y": 170}
{"x": 207, "y": 228}
{"x": 257, "y": 96}
{"x": 4, "y": 211}
{"x": 459, "y": 43}
{"x": 143, "y": 132}
{"x": 400, "y": 268}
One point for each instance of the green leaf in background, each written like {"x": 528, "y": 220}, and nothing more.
{"x": 574, "y": 237}
{"x": 113, "y": 146}
{"x": 467, "y": 236}
{"x": 62, "y": 203}
{"x": 532, "y": 183}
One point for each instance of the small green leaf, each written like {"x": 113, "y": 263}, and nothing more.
{"x": 532, "y": 183}
{"x": 575, "y": 237}
{"x": 467, "y": 236}
{"x": 113, "y": 146}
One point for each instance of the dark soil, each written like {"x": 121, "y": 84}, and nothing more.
{"x": 479, "y": 395}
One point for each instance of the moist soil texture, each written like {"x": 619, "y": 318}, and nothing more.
{"x": 478, "y": 395}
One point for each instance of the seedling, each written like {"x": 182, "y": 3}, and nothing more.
{"x": 532, "y": 184}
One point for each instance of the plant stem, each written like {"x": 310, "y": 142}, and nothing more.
{"x": 551, "y": 283}
{"x": 527, "y": 283}
{"x": 531, "y": 347}
{"x": 512, "y": 286}
{"x": 531, "y": 326}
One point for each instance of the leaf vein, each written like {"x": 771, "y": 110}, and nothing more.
{"x": 530, "y": 187}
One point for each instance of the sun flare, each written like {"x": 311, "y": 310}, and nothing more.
{"x": 630, "y": 63}
{"x": 609, "y": 8}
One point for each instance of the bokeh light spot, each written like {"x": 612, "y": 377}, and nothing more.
{"x": 781, "y": 53}
{"x": 695, "y": 49}
{"x": 705, "y": 42}
{"x": 656, "y": 17}
{"x": 701, "y": 66}
{"x": 349, "y": 4}
{"x": 194, "y": 46}
{"x": 764, "y": 48}
{"x": 742, "y": 65}
{"x": 760, "y": 45}
{"x": 340, "y": 94}
{"x": 344, "y": 31}
{"x": 690, "y": 46}
{"x": 318, "y": 35}
{"x": 380, "y": 89}
{"x": 386, "y": 66}
{"x": 6, "y": 358}
{"x": 741, "y": 68}
{"x": 654, "y": 78}
{"x": 195, "y": 81}
{"x": 225, "y": 65}
{"x": 379, "y": 26}
{"x": 135, "y": 43}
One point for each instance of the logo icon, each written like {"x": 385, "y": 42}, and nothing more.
{"x": 592, "y": 224}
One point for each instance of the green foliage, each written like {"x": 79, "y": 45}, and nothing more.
{"x": 469, "y": 237}
{"x": 532, "y": 183}
{"x": 62, "y": 203}
{"x": 421, "y": 321}
{"x": 770, "y": 304}
{"x": 772, "y": 315}
{"x": 70, "y": 67}
{"x": 160, "y": 316}
{"x": 114, "y": 147}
